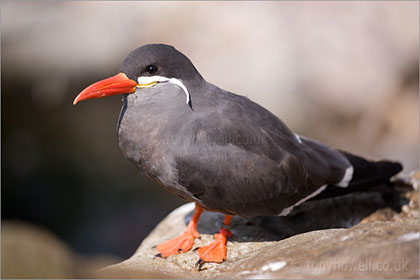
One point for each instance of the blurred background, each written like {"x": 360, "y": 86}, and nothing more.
{"x": 345, "y": 73}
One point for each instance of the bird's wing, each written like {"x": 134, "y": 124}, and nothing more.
{"x": 243, "y": 160}
{"x": 234, "y": 181}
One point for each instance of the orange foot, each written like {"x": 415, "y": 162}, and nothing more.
{"x": 183, "y": 243}
{"x": 215, "y": 251}
{"x": 177, "y": 245}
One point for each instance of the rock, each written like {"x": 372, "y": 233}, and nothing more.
{"x": 31, "y": 251}
{"x": 357, "y": 235}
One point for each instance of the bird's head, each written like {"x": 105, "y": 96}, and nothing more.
{"x": 145, "y": 67}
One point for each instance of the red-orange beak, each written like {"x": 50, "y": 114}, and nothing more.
{"x": 118, "y": 84}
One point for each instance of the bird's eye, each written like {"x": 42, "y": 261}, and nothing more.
{"x": 151, "y": 69}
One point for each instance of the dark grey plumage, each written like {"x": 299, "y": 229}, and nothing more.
{"x": 226, "y": 153}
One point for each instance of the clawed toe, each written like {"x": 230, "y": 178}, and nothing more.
{"x": 185, "y": 241}
{"x": 199, "y": 264}
{"x": 215, "y": 252}
{"x": 177, "y": 245}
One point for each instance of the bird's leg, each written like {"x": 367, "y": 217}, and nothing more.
{"x": 216, "y": 251}
{"x": 184, "y": 242}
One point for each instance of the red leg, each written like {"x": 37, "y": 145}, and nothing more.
{"x": 216, "y": 251}
{"x": 184, "y": 242}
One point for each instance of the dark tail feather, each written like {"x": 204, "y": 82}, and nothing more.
{"x": 367, "y": 174}
{"x": 371, "y": 172}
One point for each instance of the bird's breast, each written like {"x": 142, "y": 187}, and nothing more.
{"x": 139, "y": 136}
{"x": 143, "y": 126}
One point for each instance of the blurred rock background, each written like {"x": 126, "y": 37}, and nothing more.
{"x": 345, "y": 73}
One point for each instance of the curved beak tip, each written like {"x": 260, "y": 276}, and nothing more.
{"x": 118, "y": 84}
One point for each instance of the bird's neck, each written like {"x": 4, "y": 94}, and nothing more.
{"x": 145, "y": 121}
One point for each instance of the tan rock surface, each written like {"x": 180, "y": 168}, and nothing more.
{"x": 343, "y": 237}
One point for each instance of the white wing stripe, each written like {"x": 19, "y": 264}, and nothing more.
{"x": 287, "y": 210}
{"x": 348, "y": 175}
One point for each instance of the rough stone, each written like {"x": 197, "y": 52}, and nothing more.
{"x": 367, "y": 235}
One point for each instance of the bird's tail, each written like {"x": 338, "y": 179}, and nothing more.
{"x": 367, "y": 174}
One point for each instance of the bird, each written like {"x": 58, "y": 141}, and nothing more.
{"x": 221, "y": 150}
